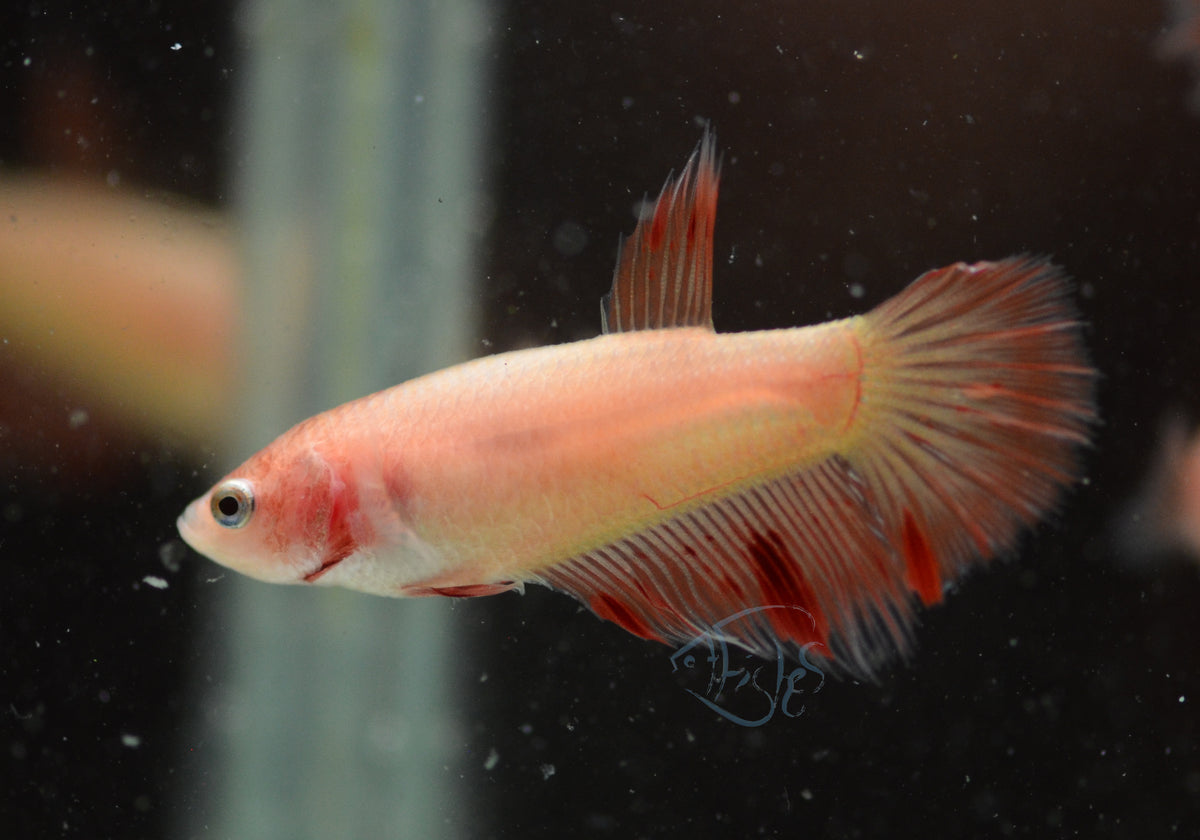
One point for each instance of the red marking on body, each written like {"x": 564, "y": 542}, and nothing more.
{"x": 708, "y": 490}
{"x": 339, "y": 538}
{"x": 782, "y": 585}
{"x": 610, "y": 608}
{"x": 857, "y": 381}
{"x": 923, "y": 574}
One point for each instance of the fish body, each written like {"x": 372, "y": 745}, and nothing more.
{"x": 503, "y": 466}
{"x": 670, "y": 477}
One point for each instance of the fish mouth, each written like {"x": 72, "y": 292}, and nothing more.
{"x": 185, "y": 524}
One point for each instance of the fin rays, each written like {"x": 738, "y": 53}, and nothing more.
{"x": 810, "y": 540}
{"x": 664, "y": 271}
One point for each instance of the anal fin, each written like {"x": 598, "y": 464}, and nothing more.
{"x": 810, "y": 541}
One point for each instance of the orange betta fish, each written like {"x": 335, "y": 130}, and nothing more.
{"x": 670, "y": 477}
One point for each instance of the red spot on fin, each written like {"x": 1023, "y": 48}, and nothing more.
{"x": 923, "y": 574}
{"x": 664, "y": 271}
{"x": 781, "y": 586}
{"x": 610, "y": 608}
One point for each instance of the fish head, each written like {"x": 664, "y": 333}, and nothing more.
{"x": 284, "y": 516}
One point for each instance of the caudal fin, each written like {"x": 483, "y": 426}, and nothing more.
{"x": 976, "y": 397}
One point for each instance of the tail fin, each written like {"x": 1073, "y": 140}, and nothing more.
{"x": 976, "y": 397}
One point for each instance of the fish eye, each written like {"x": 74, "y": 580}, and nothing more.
{"x": 232, "y": 503}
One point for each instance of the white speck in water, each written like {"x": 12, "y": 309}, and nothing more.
{"x": 493, "y": 758}
{"x": 130, "y": 740}
{"x": 734, "y": 97}
{"x": 27, "y": 61}
{"x": 77, "y": 418}
{"x": 155, "y": 581}
{"x": 806, "y": 795}
{"x": 547, "y": 771}
{"x": 526, "y": 728}
{"x": 483, "y": 677}
{"x": 419, "y": 99}
{"x": 170, "y": 554}
{"x": 1182, "y": 698}
{"x": 113, "y": 178}
{"x": 858, "y": 55}
{"x": 176, "y": 47}
{"x": 856, "y": 290}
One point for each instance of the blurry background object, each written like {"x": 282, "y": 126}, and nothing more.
{"x": 1164, "y": 516}
{"x": 1181, "y": 41}
{"x": 361, "y": 206}
{"x": 127, "y": 303}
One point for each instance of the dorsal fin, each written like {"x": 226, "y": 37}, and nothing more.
{"x": 664, "y": 271}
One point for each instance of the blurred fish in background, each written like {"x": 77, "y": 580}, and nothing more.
{"x": 118, "y": 301}
{"x": 115, "y": 308}
{"x": 1164, "y": 517}
{"x": 1181, "y": 42}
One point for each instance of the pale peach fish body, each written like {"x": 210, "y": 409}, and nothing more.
{"x": 511, "y": 463}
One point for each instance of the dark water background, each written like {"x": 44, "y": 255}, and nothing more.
{"x": 1055, "y": 694}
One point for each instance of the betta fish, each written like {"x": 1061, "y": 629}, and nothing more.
{"x": 670, "y": 477}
